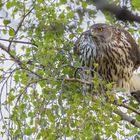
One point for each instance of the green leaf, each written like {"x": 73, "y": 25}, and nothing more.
{"x": 127, "y": 126}
{"x": 16, "y": 77}
{"x": 11, "y": 98}
{"x": 29, "y": 131}
{"x": 6, "y": 22}
{"x": 11, "y": 32}
{"x": 84, "y": 4}
{"x": 13, "y": 52}
{"x": 63, "y": 1}
{"x": 136, "y": 4}
{"x": 8, "y": 5}
{"x": 114, "y": 137}
{"x": 1, "y": 4}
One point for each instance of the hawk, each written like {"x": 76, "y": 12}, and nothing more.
{"x": 115, "y": 51}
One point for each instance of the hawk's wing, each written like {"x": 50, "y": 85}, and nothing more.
{"x": 135, "y": 49}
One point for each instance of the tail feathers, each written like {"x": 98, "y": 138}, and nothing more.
{"x": 131, "y": 86}
{"x": 134, "y": 83}
{"x": 135, "y": 87}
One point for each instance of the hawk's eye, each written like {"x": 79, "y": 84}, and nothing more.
{"x": 100, "y": 29}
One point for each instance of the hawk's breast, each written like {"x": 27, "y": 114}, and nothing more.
{"x": 87, "y": 49}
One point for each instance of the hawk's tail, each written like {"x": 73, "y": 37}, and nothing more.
{"x": 135, "y": 87}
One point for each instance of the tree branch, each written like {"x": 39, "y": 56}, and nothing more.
{"x": 131, "y": 120}
{"x": 120, "y": 13}
{"x": 17, "y": 60}
{"x": 129, "y": 107}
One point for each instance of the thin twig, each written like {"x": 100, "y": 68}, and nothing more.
{"x": 76, "y": 80}
{"x": 18, "y": 41}
{"x": 19, "y": 96}
{"x": 19, "y": 26}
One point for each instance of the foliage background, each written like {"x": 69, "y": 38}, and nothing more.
{"x": 40, "y": 96}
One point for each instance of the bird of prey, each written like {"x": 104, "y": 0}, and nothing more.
{"x": 116, "y": 53}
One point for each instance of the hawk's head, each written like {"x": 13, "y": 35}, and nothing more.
{"x": 101, "y": 33}
{"x": 96, "y": 35}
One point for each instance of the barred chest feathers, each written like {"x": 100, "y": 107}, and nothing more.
{"x": 87, "y": 50}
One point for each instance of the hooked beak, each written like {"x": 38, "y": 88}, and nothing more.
{"x": 92, "y": 33}
{"x": 89, "y": 33}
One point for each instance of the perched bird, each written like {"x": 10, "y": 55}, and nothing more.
{"x": 116, "y": 53}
